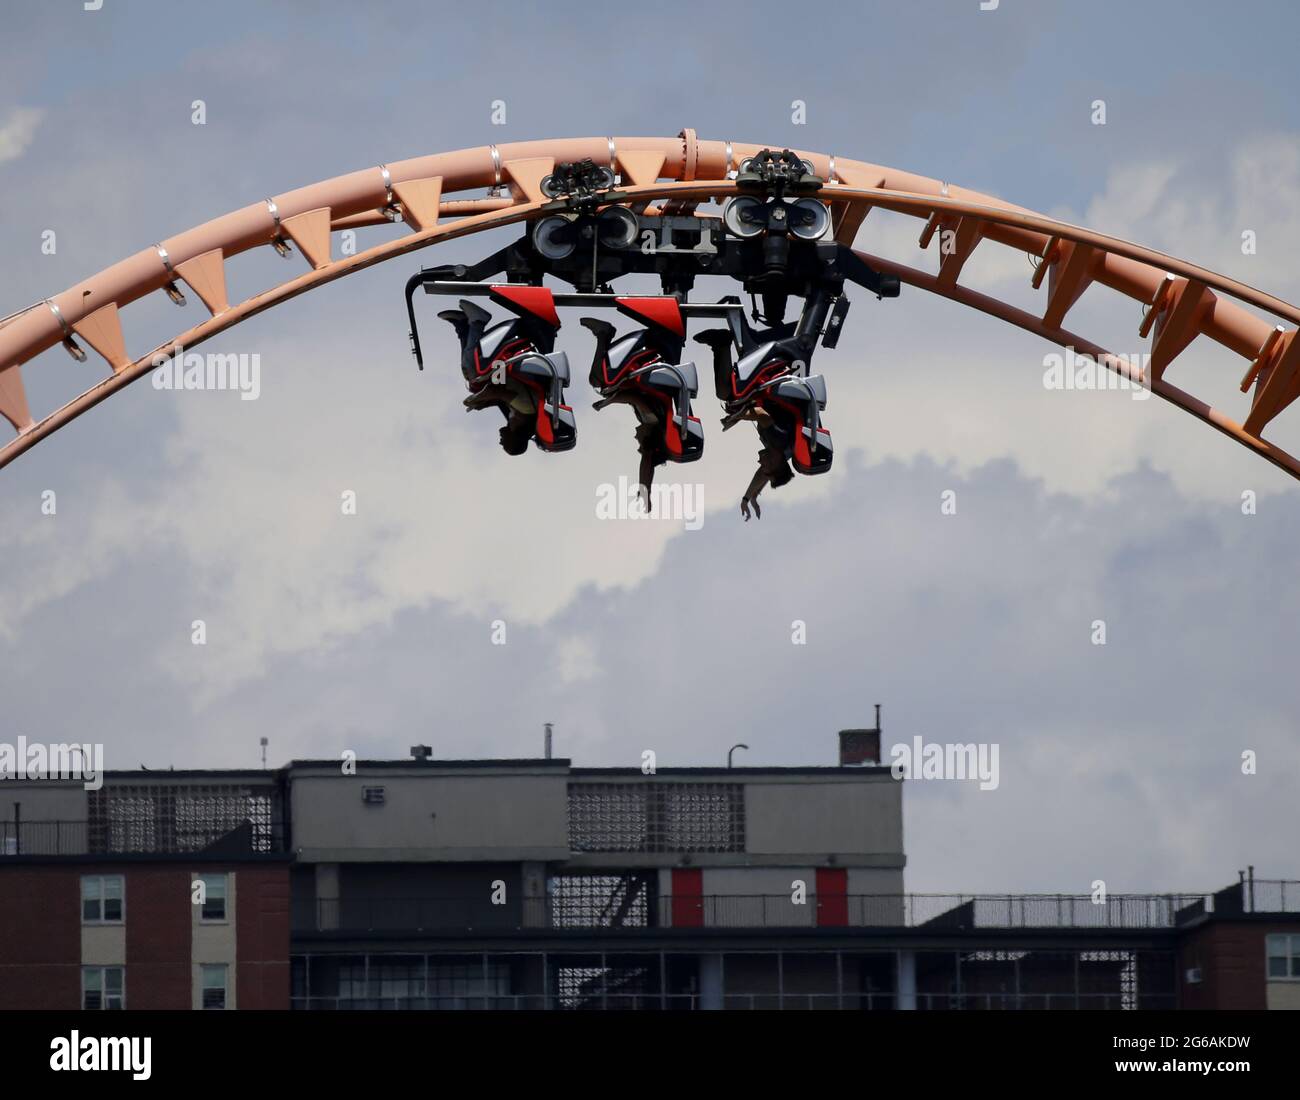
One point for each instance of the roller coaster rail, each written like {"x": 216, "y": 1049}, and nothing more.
{"x": 1177, "y": 300}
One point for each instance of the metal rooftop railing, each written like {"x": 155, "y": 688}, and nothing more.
{"x": 157, "y": 836}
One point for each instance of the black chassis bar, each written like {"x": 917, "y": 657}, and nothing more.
{"x": 815, "y": 271}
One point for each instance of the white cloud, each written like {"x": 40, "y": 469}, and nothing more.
{"x": 17, "y": 132}
{"x": 575, "y": 659}
{"x": 974, "y": 627}
{"x": 248, "y": 502}
{"x": 920, "y": 376}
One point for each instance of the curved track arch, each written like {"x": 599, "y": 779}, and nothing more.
{"x": 1179, "y": 300}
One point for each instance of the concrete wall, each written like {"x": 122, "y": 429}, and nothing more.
{"x": 778, "y": 880}
{"x": 774, "y": 886}
{"x": 103, "y": 944}
{"x": 796, "y": 818}
{"x": 444, "y": 814}
{"x": 875, "y": 880}
{"x": 1284, "y": 995}
{"x": 844, "y": 817}
{"x": 44, "y": 800}
{"x": 763, "y": 896}
{"x": 485, "y": 814}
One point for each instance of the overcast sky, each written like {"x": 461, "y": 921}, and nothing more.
{"x": 372, "y": 632}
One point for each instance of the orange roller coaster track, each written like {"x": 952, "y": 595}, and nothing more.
{"x": 1179, "y": 301}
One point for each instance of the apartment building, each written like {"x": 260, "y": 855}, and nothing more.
{"x": 533, "y": 884}
{"x": 161, "y": 890}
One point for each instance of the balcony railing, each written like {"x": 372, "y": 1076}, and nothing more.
{"x": 976, "y": 1002}
{"x": 932, "y": 911}
{"x": 74, "y": 838}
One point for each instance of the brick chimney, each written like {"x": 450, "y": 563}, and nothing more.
{"x": 861, "y": 746}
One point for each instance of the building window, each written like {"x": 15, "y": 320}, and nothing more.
{"x": 1283, "y": 957}
{"x": 387, "y": 984}
{"x": 214, "y": 985}
{"x": 102, "y": 987}
{"x": 214, "y": 897}
{"x": 102, "y": 899}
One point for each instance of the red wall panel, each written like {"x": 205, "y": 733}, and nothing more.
{"x": 832, "y": 896}
{"x": 688, "y": 897}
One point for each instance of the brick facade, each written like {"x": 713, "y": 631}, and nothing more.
{"x": 40, "y": 937}
{"x": 41, "y": 934}
{"x": 158, "y": 938}
{"x": 262, "y": 918}
{"x": 1232, "y": 958}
